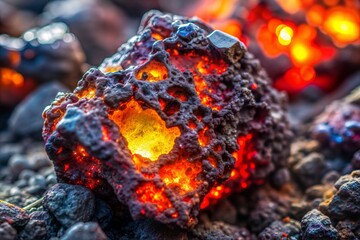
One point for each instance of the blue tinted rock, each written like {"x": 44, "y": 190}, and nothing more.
{"x": 69, "y": 203}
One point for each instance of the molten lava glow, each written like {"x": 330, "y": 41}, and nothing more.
{"x": 144, "y": 130}
{"x": 153, "y": 71}
{"x": 9, "y": 77}
{"x": 149, "y": 193}
{"x": 239, "y": 177}
{"x": 285, "y": 34}
{"x": 296, "y": 79}
{"x": 200, "y": 66}
{"x": 110, "y": 68}
{"x": 342, "y": 25}
{"x": 88, "y": 93}
{"x": 181, "y": 175}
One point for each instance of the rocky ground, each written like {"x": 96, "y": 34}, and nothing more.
{"x": 316, "y": 197}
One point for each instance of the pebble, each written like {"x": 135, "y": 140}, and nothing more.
{"x": 310, "y": 169}
{"x": 7, "y": 150}
{"x": 284, "y": 230}
{"x": 12, "y": 214}
{"x": 69, "y": 203}
{"x": 17, "y": 164}
{"x": 317, "y": 226}
{"x": 345, "y": 203}
{"x": 84, "y": 231}
{"x": 7, "y": 232}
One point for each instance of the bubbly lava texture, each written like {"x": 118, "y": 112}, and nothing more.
{"x": 178, "y": 118}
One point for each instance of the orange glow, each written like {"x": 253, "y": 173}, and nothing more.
{"x": 200, "y": 66}
{"x": 157, "y": 36}
{"x": 181, "y": 175}
{"x": 296, "y": 79}
{"x": 105, "y": 134}
{"x": 342, "y": 25}
{"x": 213, "y": 10}
{"x": 231, "y": 26}
{"x": 153, "y": 71}
{"x": 290, "y": 6}
{"x": 204, "y": 139}
{"x": 144, "y": 131}
{"x": 239, "y": 177}
{"x": 315, "y": 15}
{"x": 149, "y": 193}
{"x": 303, "y": 53}
{"x": 110, "y": 68}
{"x": 9, "y": 77}
{"x": 88, "y": 93}
{"x": 275, "y": 36}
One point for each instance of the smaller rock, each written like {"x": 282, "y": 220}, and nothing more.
{"x": 187, "y": 31}
{"x": 280, "y": 177}
{"x": 345, "y": 204}
{"x": 316, "y": 191}
{"x": 227, "y": 45}
{"x": 346, "y": 230}
{"x": 7, "y": 150}
{"x": 265, "y": 213}
{"x": 225, "y": 212}
{"x": 310, "y": 169}
{"x": 52, "y": 226}
{"x": 69, "y": 204}
{"x": 7, "y": 232}
{"x": 338, "y": 127}
{"x": 12, "y": 214}
{"x": 82, "y": 231}
{"x": 34, "y": 229}
{"x": 356, "y": 161}
{"x": 219, "y": 230}
{"x": 26, "y": 174}
{"x": 287, "y": 230}
{"x": 26, "y": 119}
{"x": 317, "y": 226}
{"x": 330, "y": 178}
{"x": 39, "y": 160}
{"x": 17, "y": 164}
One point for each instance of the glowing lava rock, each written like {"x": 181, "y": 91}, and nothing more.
{"x": 163, "y": 123}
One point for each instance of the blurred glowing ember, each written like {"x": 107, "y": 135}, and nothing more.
{"x": 174, "y": 120}
{"x": 298, "y": 30}
{"x": 39, "y": 55}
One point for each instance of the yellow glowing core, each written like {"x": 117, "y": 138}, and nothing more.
{"x": 144, "y": 131}
{"x": 153, "y": 71}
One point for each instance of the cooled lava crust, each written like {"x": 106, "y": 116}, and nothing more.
{"x": 179, "y": 117}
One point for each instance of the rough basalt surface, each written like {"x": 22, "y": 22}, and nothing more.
{"x": 164, "y": 123}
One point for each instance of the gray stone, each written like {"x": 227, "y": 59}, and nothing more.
{"x": 317, "y": 226}
{"x": 7, "y": 232}
{"x": 69, "y": 204}
{"x": 85, "y": 231}
{"x": 227, "y": 45}
{"x": 26, "y": 120}
{"x": 12, "y": 214}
